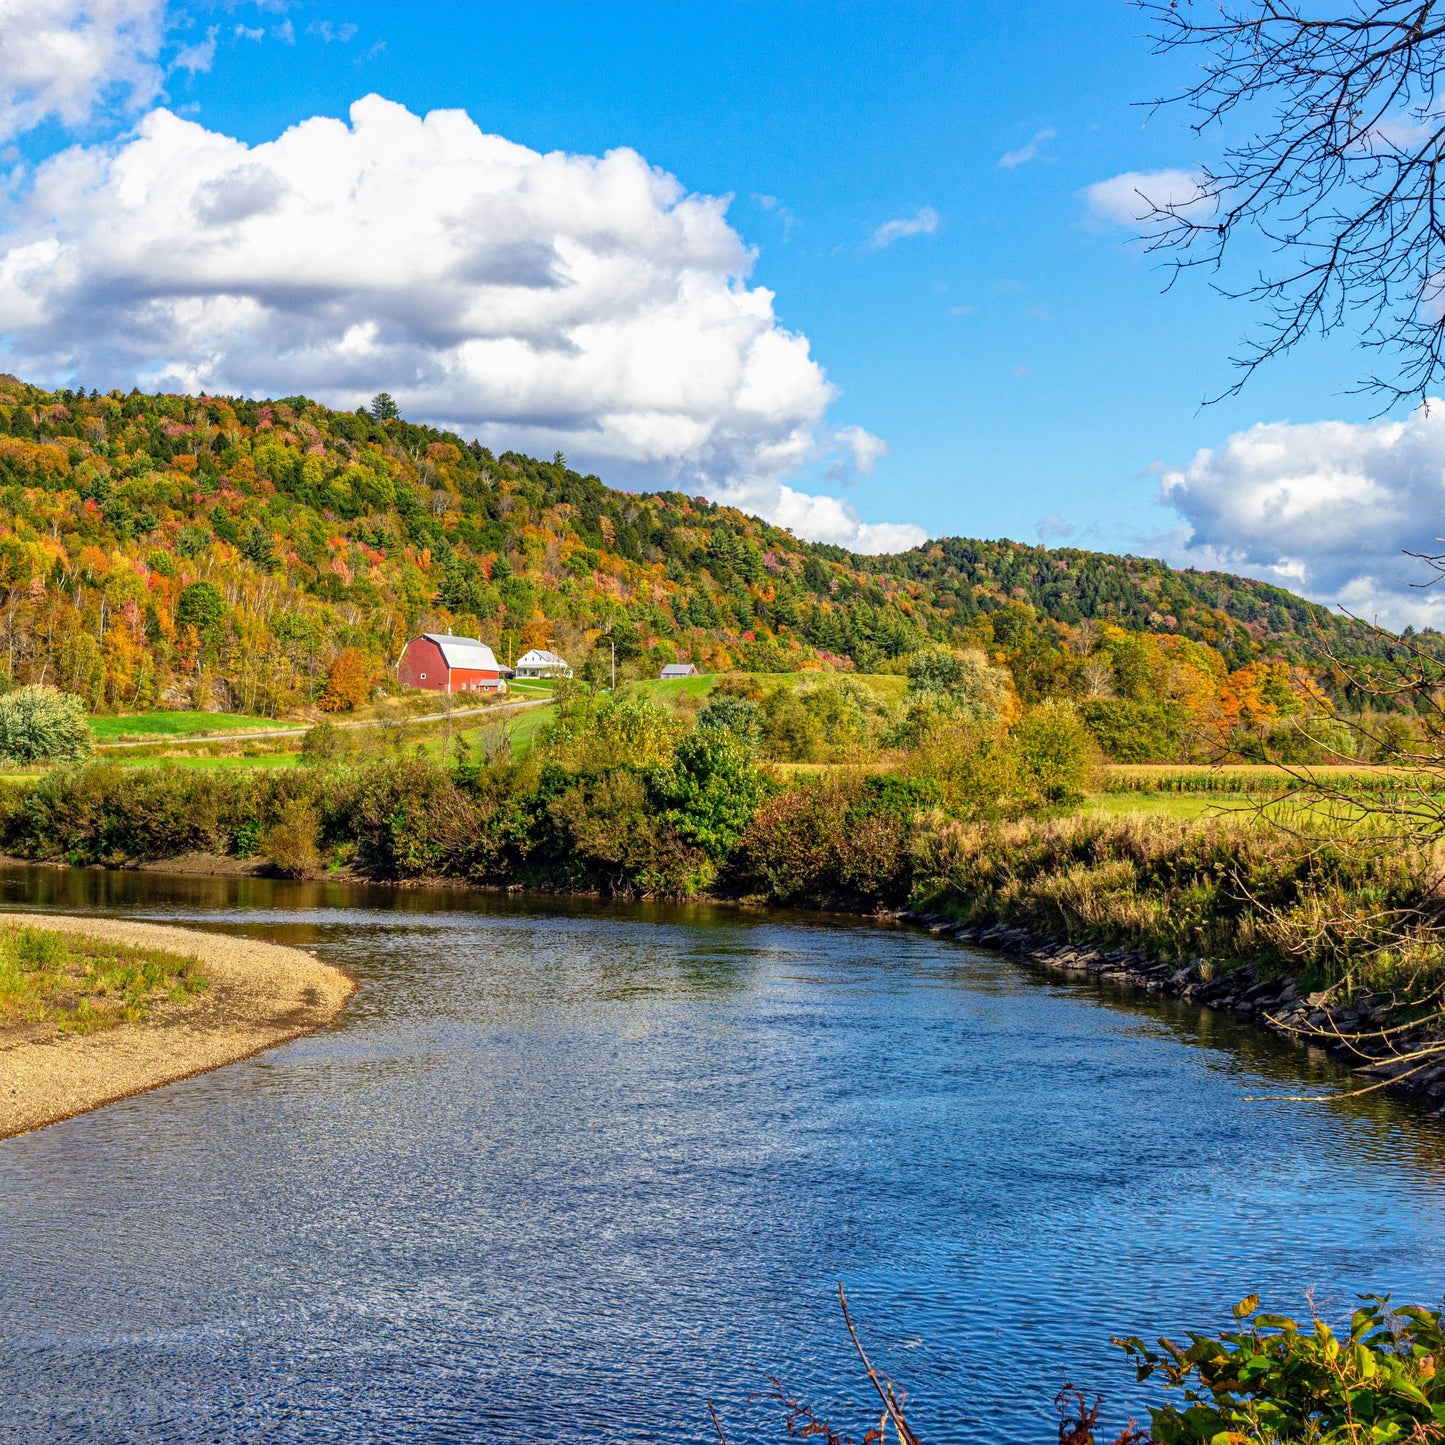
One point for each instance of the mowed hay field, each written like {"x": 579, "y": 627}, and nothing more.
{"x": 483, "y": 739}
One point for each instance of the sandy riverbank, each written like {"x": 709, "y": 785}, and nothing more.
{"x": 260, "y": 994}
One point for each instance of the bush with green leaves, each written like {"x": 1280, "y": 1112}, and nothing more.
{"x": 41, "y": 724}
{"x": 1135, "y": 732}
{"x": 1058, "y": 753}
{"x": 825, "y": 842}
{"x": 291, "y": 842}
{"x": 827, "y": 720}
{"x": 965, "y": 679}
{"x": 589, "y": 732}
{"x": 1306, "y": 741}
{"x": 710, "y": 790}
{"x": 1272, "y": 1381}
{"x": 325, "y": 744}
{"x": 407, "y": 818}
{"x": 735, "y": 714}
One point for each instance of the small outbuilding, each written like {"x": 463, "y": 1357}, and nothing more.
{"x": 539, "y": 662}
{"x": 678, "y": 669}
{"x": 440, "y": 662}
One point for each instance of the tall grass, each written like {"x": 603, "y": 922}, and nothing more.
{"x": 1334, "y": 911}
{"x": 82, "y": 983}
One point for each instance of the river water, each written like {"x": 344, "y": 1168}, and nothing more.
{"x": 565, "y": 1173}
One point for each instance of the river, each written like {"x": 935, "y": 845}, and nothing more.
{"x": 565, "y": 1172}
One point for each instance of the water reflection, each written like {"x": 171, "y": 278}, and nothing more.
{"x": 563, "y": 1172}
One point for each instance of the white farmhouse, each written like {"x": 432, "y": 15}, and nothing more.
{"x": 541, "y": 663}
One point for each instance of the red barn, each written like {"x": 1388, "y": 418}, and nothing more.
{"x": 440, "y": 662}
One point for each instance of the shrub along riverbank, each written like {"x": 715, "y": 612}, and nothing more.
{"x": 974, "y": 818}
{"x": 703, "y": 820}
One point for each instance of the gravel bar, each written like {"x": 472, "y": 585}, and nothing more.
{"x": 260, "y": 995}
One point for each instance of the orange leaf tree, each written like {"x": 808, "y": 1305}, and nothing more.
{"x": 348, "y": 682}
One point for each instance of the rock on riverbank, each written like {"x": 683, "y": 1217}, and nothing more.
{"x": 259, "y": 994}
{"x": 1350, "y": 1029}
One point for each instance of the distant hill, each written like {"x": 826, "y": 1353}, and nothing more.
{"x": 1242, "y": 617}
{"x": 316, "y": 530}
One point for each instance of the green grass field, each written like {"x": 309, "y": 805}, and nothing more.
{"x": 485, "y": 738}
{"x": 163, "y": 726}
{"x": 1164, "y": 805}
{"x": 675, "y": 689}
{"x": 885, "y": 687}
{"x": 209, "y": 763}
{"x": 529, "y": 687}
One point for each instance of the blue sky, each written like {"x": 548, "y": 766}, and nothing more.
{"x": 912, "y": 182}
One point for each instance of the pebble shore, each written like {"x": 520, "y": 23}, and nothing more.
{"x": 258, "y": 995}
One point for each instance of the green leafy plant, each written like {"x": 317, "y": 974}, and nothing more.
{"x": 1058, "y": 752}
{"x": 42, "y": 724}
{"x": 79, "y": 983}
{"x": 1272, "y": 1381}
{"x": 291, "y": 843}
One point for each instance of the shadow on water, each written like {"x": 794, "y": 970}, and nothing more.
{"x": 566, "y": 1170}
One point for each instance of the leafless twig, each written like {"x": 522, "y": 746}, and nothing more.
{"x": 892, "y": 1405}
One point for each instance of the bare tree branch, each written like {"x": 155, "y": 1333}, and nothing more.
{"x": 1334, "y": 130}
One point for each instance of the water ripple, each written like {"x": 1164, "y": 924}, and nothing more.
{"x": 565, "y": 1174}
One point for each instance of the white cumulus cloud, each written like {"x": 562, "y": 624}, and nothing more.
{"x": 820, "y": 519}
{"x": 1324, "y": 508}
{"x": 1131, "y": 198}
{"x": 542, "y": 302}
{"x": 65, "y": 60}
{"x": 861, "y": 452}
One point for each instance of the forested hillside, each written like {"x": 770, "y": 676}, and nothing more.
{"x": 1241, "y": 617}
{"x": 217, "y": 552}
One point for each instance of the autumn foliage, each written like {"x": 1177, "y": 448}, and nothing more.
{"x": 221, "y": 552}
{"x": 349, "y": 682}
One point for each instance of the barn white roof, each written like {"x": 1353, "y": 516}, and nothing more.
{"x": 464, "y": 652}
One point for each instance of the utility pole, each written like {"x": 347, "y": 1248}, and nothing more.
{"x": 613, "y": 646}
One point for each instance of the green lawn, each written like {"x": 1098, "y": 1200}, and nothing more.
{"x": 1164, "y": 805}
{"x": 671, "y": 692}
{"x": 1310, "y": 816}
{"x": 885, "y": 687}
{"x": 482, "y": 739}
{"x": 530, "y": 687}
{"x": 262, "y": 760}
{"x": 161, "y": 726}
